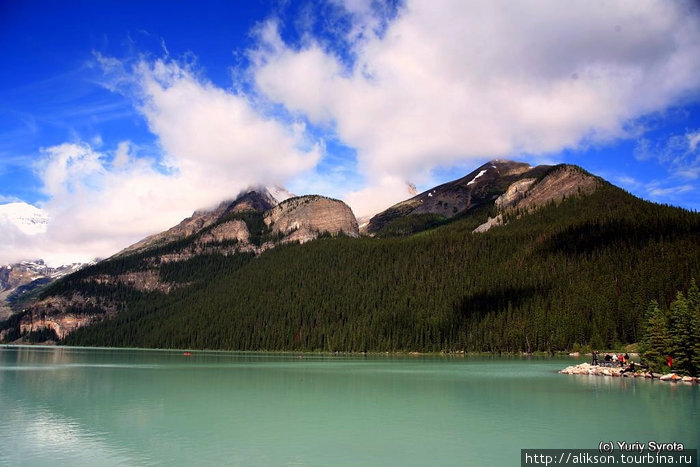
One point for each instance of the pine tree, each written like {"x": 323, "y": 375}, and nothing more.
{"x": 656, "y": 340}
{"x": 681, "y": 335}
{"x": 694, "y": 309}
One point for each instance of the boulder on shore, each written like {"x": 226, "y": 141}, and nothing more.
{"x": 595, "y": 370}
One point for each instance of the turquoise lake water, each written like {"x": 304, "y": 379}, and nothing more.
{"x": 105, "y": 407}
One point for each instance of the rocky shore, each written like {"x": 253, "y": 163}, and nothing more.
{"x": 625, "y": 372}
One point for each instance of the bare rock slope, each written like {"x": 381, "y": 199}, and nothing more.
{"x": 529, "y": 194}
{"x": 304, "y": 218}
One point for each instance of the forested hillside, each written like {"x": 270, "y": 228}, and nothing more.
{"x": 578, "y": 273}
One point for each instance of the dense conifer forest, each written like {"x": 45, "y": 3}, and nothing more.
{"x": 671, "y": 339}
{"x": 578, "y": 274}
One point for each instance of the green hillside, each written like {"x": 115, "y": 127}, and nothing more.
{"x": 580, "y": 273}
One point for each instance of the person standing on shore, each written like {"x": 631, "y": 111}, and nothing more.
{"x": 595, "y": 358}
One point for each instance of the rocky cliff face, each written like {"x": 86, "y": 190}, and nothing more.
{"x": 304, "y": 218}
{"x": 562, "y": 182}
{"x": 51, "y": 314}
{"x": 514, "y": 193}
{"x": 233, "y": 230}
{"x": 529, "y": 193}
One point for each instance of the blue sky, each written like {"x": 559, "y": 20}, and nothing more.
{"x": 119, "y": 118}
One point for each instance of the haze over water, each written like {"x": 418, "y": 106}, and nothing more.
{"x": 74, "y": 406}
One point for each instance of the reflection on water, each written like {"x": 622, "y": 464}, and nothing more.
{"x": 72, "y": 406}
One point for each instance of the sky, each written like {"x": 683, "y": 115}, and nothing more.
{"x": 120, "y": 118}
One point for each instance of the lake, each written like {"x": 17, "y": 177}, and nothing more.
{"x": 105, "y": 407}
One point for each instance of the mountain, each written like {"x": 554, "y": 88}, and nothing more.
{"x": 252, "y": 222}
{"x": 572, "y": 262}
{"x": 28, "y": 219}
{"x": 258, "y": 219}
{"x": 499, "y": 183}
{"x": 19, "y": 280}
{"x": 253, "y": 199}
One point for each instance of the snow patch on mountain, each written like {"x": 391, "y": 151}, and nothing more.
{"x": 29, "y": 219}
{"x": 478, "y": 175}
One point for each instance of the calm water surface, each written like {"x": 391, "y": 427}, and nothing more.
{"x": 104, "y": 407}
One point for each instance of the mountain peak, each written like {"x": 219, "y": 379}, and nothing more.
{"x": 258, "y": 198}
{"x": 29, "y": 219}
{"x": 499, "y": 182}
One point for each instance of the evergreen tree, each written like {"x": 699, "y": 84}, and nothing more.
{"x": 681, "y": 335}
{"x": 656, "y": 342}
{"x": 694, "y": 309}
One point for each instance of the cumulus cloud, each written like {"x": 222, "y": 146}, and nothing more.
{"x": 657, "y": 192}
{"x": 449, "y": 81}
{"x": 214, "y": 143}
{"x": 206, "y": 130}
{"x": 383, "y": 191}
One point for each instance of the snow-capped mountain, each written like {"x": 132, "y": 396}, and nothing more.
{"x": 21, "y": 278}
{"x": 27, "y": 218}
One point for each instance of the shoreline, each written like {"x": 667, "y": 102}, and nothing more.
{"x": 407, "y": 353}
{"x": 625, "y": 372}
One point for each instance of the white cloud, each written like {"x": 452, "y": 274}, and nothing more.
{"x": 382, "y": 193}
{"x": 214, "y": 144}
{"x": 679, "y": 154}
{"x": 693, "y": 141}
{"x": 123, "y": 154}
{"x": 448, "y": 81}
{"x": 207, "y": 131}
{"x": 660, "y": 192}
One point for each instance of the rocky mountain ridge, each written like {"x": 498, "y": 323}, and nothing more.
{"x": 500, "y": 184}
